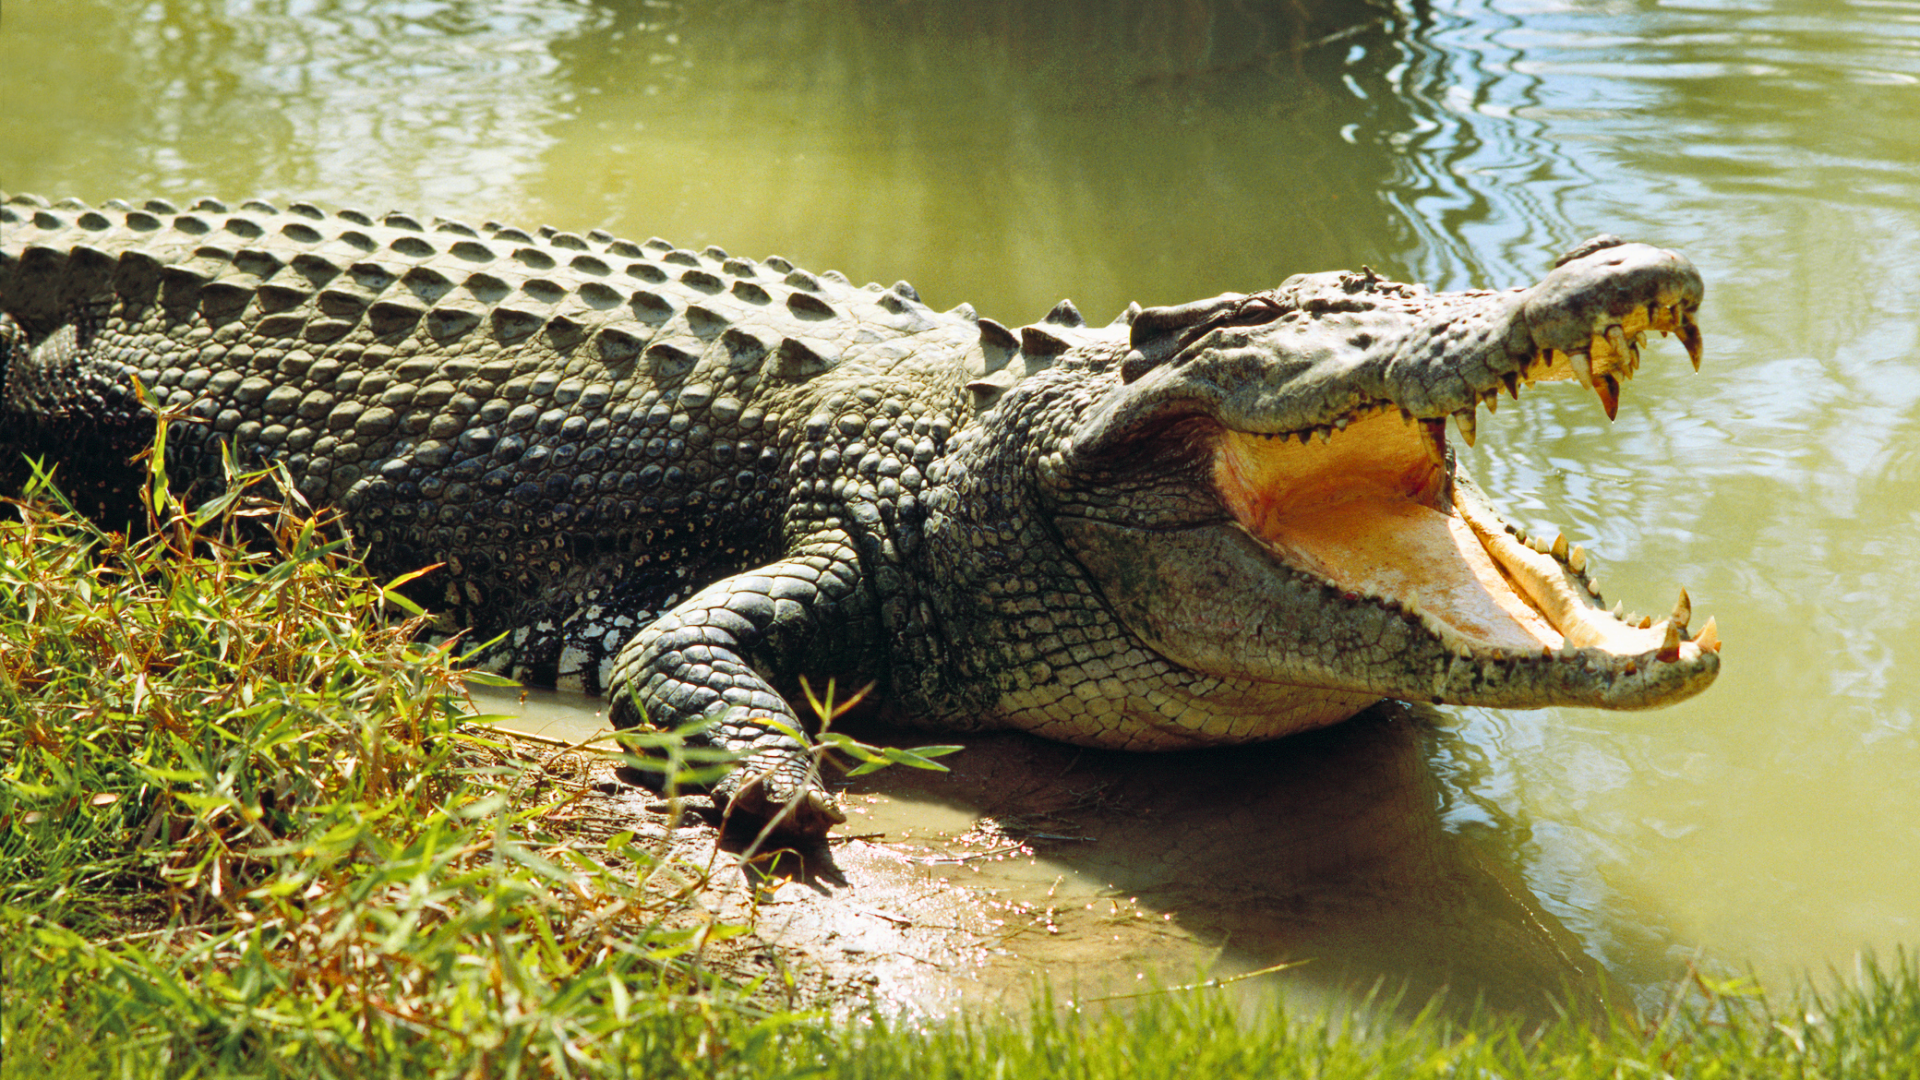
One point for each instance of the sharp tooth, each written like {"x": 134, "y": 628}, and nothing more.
{"x": 1709, "y": 637}
{"x": 1341, "y": 423}
{"x": 1465, "y": 419}
{"x": 1325, "y": 433}
{"x": 1491, "y": 401}
{"x": 1617, "y": 340}
{"x": 1646, "y": 622}
{"x": 1609, "y": 391}
{"x": 1689, "y": 332}
{"x": 1582, "y": 368}
{"x": 1577, "y": 558}
{"x": 1619, "y": 608}
{"x": 1593, "y": 590}
{"x": 1560, "y": 547}
{"x": 1433, "y": 433}
{"x": 1683, "y": 611}
{"x": 1670, "y": 645}
{"x": 1512, "y": 379}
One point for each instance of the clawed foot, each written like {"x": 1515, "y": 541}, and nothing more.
{"x": 785, "y": 794}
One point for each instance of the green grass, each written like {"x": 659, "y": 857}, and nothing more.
{"x": 243, "y": 832}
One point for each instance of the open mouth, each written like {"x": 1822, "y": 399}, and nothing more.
{"x": 1370, "y": 504}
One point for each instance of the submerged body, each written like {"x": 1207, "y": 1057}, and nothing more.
{"x": 687, "y": 479}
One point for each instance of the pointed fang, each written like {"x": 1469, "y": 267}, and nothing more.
{"x": 1465, "y": 419}
{"x": 1560, "y": 547}
{"x": 1583, "y": 367}
{"x": 1709, "y": 637}
{"x": 1434, "y": 434}
{"x": 1669, "y": 648}
{"x": 1689, "y": 332}
{"x": 1683, "y": 611}
{"x": 1617, "y": 339}
{"x": 1577, "y": 559}
{"x": 1609, "y": 391}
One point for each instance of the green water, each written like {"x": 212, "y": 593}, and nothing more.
{"x": 1009, "y": 154}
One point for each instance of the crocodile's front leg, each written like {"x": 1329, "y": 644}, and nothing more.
{"x": 710, "y": 658}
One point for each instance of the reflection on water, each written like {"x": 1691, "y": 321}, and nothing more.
{"x": 999, "y": 153}
{"x": 1009, "y": 154}
{"x": 435, "y": 104}
{"x": 567, "y": 719}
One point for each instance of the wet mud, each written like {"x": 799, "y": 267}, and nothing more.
{"x": 1315, "y": 871}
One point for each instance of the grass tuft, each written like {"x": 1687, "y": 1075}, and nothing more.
{"x": 242, "y": 828}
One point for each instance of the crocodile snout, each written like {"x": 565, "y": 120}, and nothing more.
{"x": 1588, "y": 315}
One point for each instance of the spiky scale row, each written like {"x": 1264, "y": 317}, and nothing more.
{"x": 448, "y": 279}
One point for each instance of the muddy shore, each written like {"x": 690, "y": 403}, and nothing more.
{"x": 1312, "y": 871}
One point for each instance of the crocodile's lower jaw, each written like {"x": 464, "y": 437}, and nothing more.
{"x": 1369, "y": 512}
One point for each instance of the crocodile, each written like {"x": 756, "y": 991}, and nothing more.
{"x": 690, "y": 480}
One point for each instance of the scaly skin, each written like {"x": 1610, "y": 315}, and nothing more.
{"x": 687, "y": 480}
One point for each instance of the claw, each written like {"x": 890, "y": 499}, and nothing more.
{"x": 805, "y": 812}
